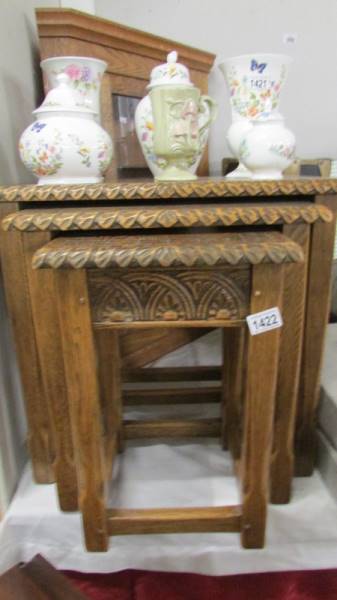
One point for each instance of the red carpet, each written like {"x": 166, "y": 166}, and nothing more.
{"x": 151, "y": 585}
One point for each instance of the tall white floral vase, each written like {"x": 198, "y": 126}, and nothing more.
{"x": 255, "y": 82}
{"x": 85, "y": 77}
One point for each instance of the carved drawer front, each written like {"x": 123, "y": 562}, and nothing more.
{"x": 176, "y": 295}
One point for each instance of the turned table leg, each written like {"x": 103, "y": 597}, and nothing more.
{"x": 261, "y": 379}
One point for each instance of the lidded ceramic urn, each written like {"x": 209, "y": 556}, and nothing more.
{"x": 65, "y": 145}
{"x": 173, "y": 121}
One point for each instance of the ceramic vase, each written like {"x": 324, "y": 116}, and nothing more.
{"x": 267, "y": 149}
{"x": 254, "y": 82}
{"x": 85, "y": 75}
{"x": 172, "y": 122}
{"x": 65, "y": 145}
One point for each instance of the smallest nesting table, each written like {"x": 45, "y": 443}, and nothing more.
{"x": 187, "y": 280}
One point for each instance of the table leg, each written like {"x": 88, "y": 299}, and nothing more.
{"x": 109, "y": 368}
{"x": 232, "y": 388}
{"x": 84, "y": 403}
{"x": 317, "y": 312}
{"x": 262, "y": 364}
{"x": 48, "y": 338}
{"x": 14, "y": 271}
{"x": 295, "y": 282}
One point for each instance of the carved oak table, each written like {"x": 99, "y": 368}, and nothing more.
{"x": 207, "y": 279}
{"x": 34, "y": 215}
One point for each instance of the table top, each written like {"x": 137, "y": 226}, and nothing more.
{"x": 144, "y": 190}
{"x": 164, "y": 251}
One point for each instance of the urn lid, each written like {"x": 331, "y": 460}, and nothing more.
{"x": 170, "y": 73}
{"x": 63, "y": 98}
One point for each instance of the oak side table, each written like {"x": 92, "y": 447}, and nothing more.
{"x": 212, "y": 279}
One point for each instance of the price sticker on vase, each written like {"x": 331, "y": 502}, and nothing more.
{"x": 264, "y": 321}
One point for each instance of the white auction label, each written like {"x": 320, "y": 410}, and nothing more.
{"x": 264, "y": 321}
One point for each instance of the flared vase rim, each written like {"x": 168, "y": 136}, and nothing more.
{"x": 73, "y": 58}
{"x": 259, "y": 55}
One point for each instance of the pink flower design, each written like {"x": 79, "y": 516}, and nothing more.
{"x": 73, "y": 71}
{"x": 144, "y": 136}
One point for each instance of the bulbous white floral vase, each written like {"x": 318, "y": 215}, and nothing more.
{"x": 65, "y": 145}
{"x": 190, "y": 123}
{"x": 254, "y": 82}
{"x": 85, "y": 77}
{"x": 267, "y": 149}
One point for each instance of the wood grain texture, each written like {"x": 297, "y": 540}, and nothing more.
{"x": 233, "y": 378}
{"x": 261, "y": 379}
{"x": 187, "y": 250}
{"x": 18, "y": 301}
{"x": 192, "y": 395}
{"x": 134, "y": 429}
{"x": 138, "y": 349}
{"x": 50, "y": 353}
{"x": 154, "y": 374}
{"x": 84, "y": 404}
{"x": 109, "y": 369}
{"x": 145, "y": 217}
{"x": 317, "y": 312}
{"x": 67, "y": 23}
{"x": 295, "y": 283}
{"x": 173, "y": 520}
{"x": 168, "y": 295}
{"x": 151, "y": 190}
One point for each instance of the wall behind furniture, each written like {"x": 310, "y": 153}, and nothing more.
{"x": 19, "y": 84}
{"x": 230, "y": 28}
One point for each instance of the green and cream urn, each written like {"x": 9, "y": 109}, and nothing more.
{"x": 173, "y": 122}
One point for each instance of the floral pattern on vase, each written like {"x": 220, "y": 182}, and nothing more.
{"x": 268, "y": 148}
{"x": 82, "y": 149}
{"x": 104, "y": 154}
{"x": 145, "y": 132}
{"x": 243, "y": 150}
{"x": 85, "y": 77}
{"x": 171, "y": 71}
{"x": 254, "y": 98}
{"x": 44, "y": 157}
{"x": 82, "y": 77}
{"x": 255, "y": 82}
{"x": 283, "y": 150}
{"x": 145, "y": 129}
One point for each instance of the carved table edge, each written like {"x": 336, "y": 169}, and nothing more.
{"x": 85, "y": 219}
{"x": 202, "y": 188}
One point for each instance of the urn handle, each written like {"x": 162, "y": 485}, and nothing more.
{"x": 206, "y": 103}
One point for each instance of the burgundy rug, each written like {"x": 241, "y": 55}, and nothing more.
{"x": 151, "y": 585}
